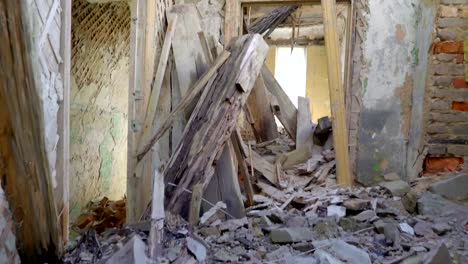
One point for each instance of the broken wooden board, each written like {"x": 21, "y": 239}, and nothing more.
{"x": 287, "y": 113}
{"x": 213, "y": 120}
{"x": 305, "y": 128}
{"x": 236, "y": 141}
{"x": 267, "y": 169}
{"x": 264, "y": 125}
{"x": 186, "y": 46}
{"x": 224, "y": 186}
{"x": 270, "y": 21}
{"x": 300, "y": 155}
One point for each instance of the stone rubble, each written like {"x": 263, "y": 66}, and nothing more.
{"x": 389, "y": 223}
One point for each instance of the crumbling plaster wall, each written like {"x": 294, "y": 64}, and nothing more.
{"x": 99, "y": 101}
{"x": 393, "y": 68}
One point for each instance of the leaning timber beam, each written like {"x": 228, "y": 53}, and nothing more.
{"x": 213, "y": 120}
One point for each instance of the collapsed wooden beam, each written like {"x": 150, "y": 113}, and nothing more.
{"x": 286, "y": 111}
{"x": 270, "y": 21}
{"x": 213, "y": 120}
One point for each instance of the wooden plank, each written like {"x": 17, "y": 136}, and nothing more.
{"x": 232, "y": 20}
{"x": 142, "y": 64}
{"x": 63, "y": 154}
{"x": 258, "y": 103}
{"x": 287, "y": 113}
{"x": 156, "y": 236}
{"x": 236, "y": 141}
{"x": 187, "y": 48}
{"x": 204, "y": 138}
{"x": 195, "y": 204}
{"x": 158, "y": 81}
{"x": 225, "y": 181}
{"x": 305, "y": 128}
{"x": 267, "y": 169}
{"x": 186, "y": 101}
{"x": 340, "y": 136}
{"x": 30, "y": 189}
{"x": 224, "y": 185}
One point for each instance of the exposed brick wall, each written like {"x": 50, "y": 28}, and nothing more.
{"x": 448, "y": 91}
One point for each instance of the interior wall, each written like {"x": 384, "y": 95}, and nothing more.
{"x": 392, "y": 75}
{"x": 317, "y": 82}
{"x": 447, "y": 127}
{"x": 99, "y": 101}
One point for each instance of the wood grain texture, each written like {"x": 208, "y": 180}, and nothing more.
{"x": 27, "y": 179}
{"x": 264, "y": 124}
{"x": 287, "y": 112}
{"x": 214, "y": 119}
{"x": 337, "y": 93}
{"x": 305, "y": 128}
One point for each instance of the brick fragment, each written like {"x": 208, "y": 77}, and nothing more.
{"x": 460, "y": 83}
{"x": 460, "y": 106}
{"x": 442, "y": 164}
{"x": 449, "y": 47}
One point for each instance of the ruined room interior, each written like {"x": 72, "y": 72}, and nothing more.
{"x": 234, "y": 131}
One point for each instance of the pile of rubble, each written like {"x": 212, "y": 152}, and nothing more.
{"x": 296, "y": 212}
{"x": 391, "y": 223}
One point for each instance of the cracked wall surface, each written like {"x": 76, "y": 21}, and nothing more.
{"x": 392, "y": 76}
{"x": 99, "y": 102}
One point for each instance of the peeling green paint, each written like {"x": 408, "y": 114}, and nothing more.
{"x": 116, "y": 129}
{"x": 415, "y": 54}
{"x": 364, "y": 85}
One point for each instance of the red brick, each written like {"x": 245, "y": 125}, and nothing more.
{"x": 460, "y": 58}
{"x": 460, "y": 106}
{"x": 460, "y": 83}
{"x": 442, "y": 164}
{"x": 448, "y": 47}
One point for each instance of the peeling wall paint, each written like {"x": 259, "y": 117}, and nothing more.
{"x": 99, "y": 103}
{"x": 395, "y": 63}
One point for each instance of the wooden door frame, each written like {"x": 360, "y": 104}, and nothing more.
{"x": 233, "y": 25}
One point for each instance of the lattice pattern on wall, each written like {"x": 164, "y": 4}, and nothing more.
{"x": 94, "y": 27}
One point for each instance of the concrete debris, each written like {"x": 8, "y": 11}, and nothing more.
{"x": 344, "y": 251}
{"x": 132, "y": 252}
{"x": 454, "y": 188}
{"x": 357, "y": 204}
{"x": 391, "y": 177}
{"x": 405, "y": 228}
{"x": 196, "y": 248}
{"x": 366, "y": 216}
{"x": 396, "y": 188}
{"x": 334, "y": 210}
{"x": 210, "y": 215}
{"x": 441, "y": 228}
{"x": 439, "y": 255}
{"x": 291, "y": 235}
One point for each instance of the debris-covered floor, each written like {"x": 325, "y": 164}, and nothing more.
{"x": 309, "y": 221}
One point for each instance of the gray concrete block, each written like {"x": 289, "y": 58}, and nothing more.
{"x": 453, "y": 22}
{"x": 435, "y": 128}
{"x": 458, "y": 150}
{"x": 291, "y": 235}
{"x": 449, "y": 117}
{"x": 454, "y": 188}
{"x": 447, "y": 34}
{"x": 436, "y": 149}
{"x": 442, "y": 80}
{"x": 397, "y": 188}
{"x": 454, "y": 2}
{"x": 449, "y": 69}
{"x": 446, "y": 57}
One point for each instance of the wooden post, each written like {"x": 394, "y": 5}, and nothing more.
{"x": 340, "y": 136}
{"x": 195, "y": 204}
{"x": 157, "y": 217}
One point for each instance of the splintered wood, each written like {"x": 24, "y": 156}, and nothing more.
{"x": 213, "y": 120}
